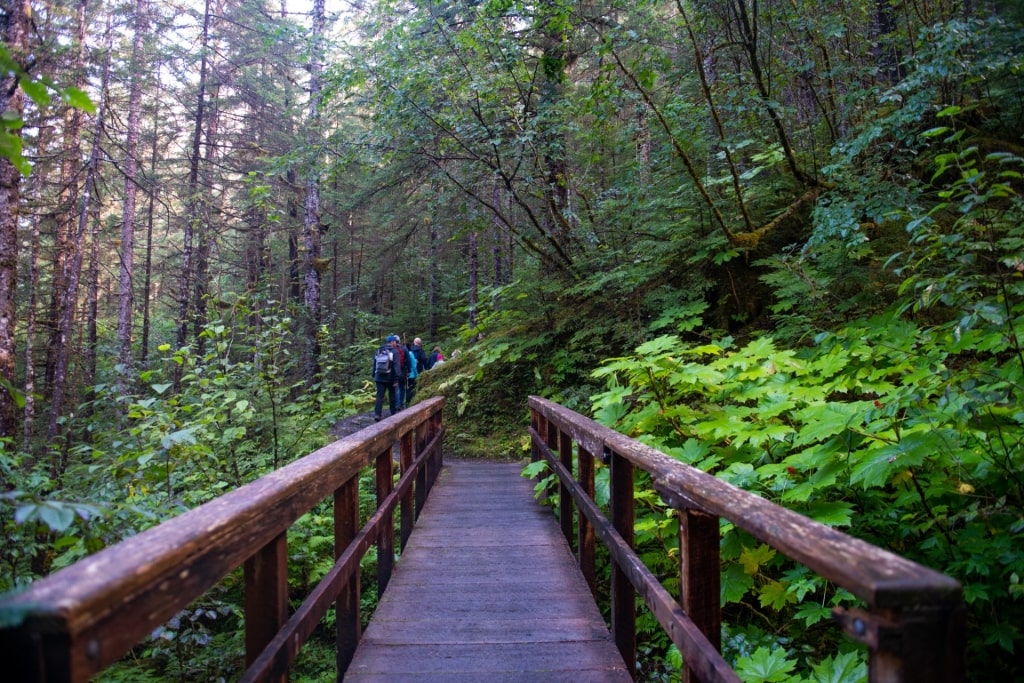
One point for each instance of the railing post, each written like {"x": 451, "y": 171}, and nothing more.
{"x": 933, "y": 640}
{"x": 436, "y": 460}
{"x": 386, "y": 537}
{"x": 266, "y": 598}
{"x": 913, "y": 644}
{"x": 537, "y": 422}
{"x": 347, "y": 617}
{"x": 550, "y": 435}
{"x": 565, "y": 505}
{"x": 586, "y": 542}
{"x": 407, "y": 513}
{"x": 623, "y": 593}
{"x": 700, "y": 576}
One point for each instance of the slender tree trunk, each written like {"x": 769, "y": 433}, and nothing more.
{"x": 16, "y": 17}
{"x": 204, "y": 231}
{"x": 126, "y": 290}
{"x": 746, "y": 23}
{"x": 91, "y": 315}
{"x": 885, "y": 48}
{"x": 150, "y": 210}
{"x": 474, "y": 278}
{"x": 68, "y": 204}
{"x": 434, "y": 301}
{"x": 497, "y": 229}
{"x": 195, "y": 203}
{"x": 29, "y": 413}
{"x": 355, "y": 256}
{"x": 555, "y": 61}
{"x": 311, "y": 225}
{"x": 719, "y": 128}
{"x": 69, "y": 301}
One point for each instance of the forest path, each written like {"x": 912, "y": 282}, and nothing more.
{"x": 351, "y": 424}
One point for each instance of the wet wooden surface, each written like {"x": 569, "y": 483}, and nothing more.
{"x": 486, "y": 590}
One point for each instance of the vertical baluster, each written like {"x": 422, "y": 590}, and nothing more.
{"x": 623, "y": 593}
{"x": 587, "y": 540}
{"x": 346, "y": 526}
{"x": 437, "y": 457}
{"x": 565, "y": 506}
{"x": 386, "y": 537}
{"x": 266, "y": 598}
{"x": 406, "y": 516}
{"x": 700, "y": 576}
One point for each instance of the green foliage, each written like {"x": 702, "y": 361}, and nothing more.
{"x": 902, "y": 433}
{"x": 233, "y": 417}
{"x": 38, "y": 89}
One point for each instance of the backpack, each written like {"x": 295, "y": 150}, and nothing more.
{"x": 403, "y": 362}
{"x": 413, "y": 364}
{"x": 382, "y": 362}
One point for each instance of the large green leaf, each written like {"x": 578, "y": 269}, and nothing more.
{"x": 876, "y": 466}
{"x": 765, "y": 665}
{"x": 846, "y": 667}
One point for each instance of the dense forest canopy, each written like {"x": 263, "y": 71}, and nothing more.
{"x": 780, "y": 240}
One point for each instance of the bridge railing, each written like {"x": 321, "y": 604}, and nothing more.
{"x": 913, "y": 625}
{"x": 72, "y": 624}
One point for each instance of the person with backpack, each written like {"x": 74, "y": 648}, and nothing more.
{"x": 401, "y": 370}
{"x": 417, "y": 364}
{"x": 386, "y": 371}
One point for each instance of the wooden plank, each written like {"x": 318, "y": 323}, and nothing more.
{"x": 486, "y": 590}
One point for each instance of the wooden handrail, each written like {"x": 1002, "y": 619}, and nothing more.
{"x": 914, "y": 622}
{"x": 74, "y": 623}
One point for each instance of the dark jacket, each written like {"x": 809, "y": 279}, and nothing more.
{"x": 421, "y": 358}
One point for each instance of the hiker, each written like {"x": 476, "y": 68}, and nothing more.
{"x": 436, "y": 357}
{"x": 410, "y": 377}
{"x": 386, "y": 370}
{"x": 401, "y": 371}
{"x": 417, "y": 364}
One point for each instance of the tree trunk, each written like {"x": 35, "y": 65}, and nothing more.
{"x": 68, "y": 203}
{"x": 355, "y": 256}
{"x": 70, "y": 295}
{"x": 150, "y": 210}
{"x": 126, "y": 291}
{"x": 16, "y": 16}
{"x": 91, "y": 317}
{"x": 204, "y": 235}
{"x": 29, "y": 413}
{"x": 556, "y": 58}
{"x": 474, "y": 276}
{"x": 311, "y": 264}
{"x": 194, "y": 202}
{"x": 434, "y": 302}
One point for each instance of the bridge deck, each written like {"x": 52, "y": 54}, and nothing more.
{"x": 486, "y": 590}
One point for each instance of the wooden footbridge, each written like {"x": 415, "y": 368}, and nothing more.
{"x": 488, "y": 584}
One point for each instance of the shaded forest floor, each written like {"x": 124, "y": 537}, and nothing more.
{"x": 500, "y": 448}
{"x": 351, "y": 424}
